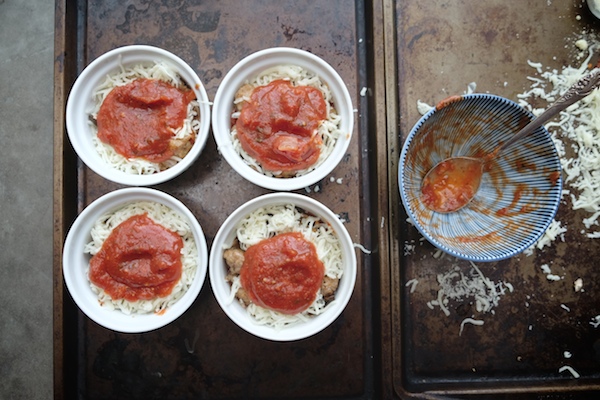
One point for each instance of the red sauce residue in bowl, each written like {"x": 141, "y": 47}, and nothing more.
{"x": 138, "y": 119}
{"x": 447, "y": 101}
{"x": 278, "y": 126}
{"x": 140, "y": 260}
{"x": 489, "y": 237}
{"x": 282, "y": 273}
{"x": 519, "y": 191}
{"x": 554, "y": 177}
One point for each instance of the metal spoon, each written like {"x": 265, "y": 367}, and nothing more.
{"x": 452, "y": 183}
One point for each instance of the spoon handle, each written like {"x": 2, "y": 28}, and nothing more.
{"x": 578, "y": 91}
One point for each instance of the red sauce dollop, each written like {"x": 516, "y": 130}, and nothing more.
{"x": 282, "y": 273}
{"x": 140, "y": 260}
{"x": 138, "y": 119}
{"x": 277, "y": 127}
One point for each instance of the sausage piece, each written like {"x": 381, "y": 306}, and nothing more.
{"x": 234, "y": 257}
{"x": 243, "y": 297}
{"x": 329, "y": 287}
{"x": 243, "y": 92}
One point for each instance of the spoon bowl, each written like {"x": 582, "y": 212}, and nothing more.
{"x": 452, "y": 183}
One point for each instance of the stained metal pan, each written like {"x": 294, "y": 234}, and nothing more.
{"x": 203, "y": 354}
{"x": 434, "y": 50}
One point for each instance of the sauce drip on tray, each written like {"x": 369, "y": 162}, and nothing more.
{"x": 278, "y": 126}
{"x": 140, "y": 260}
{"x": 282, "y": 273}
{"x": 138, "y": 119}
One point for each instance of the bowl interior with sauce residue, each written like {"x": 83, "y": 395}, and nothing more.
{"x": 81, "y": 102}
{"x": 237, "y": 313}
{"x": 76, "y": 262}
{"x": 246, "y": 70}
{"x": 518, "y": 196}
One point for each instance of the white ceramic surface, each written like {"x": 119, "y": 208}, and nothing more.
{"x": 75, "y": 263}
{"x": 81, "y": 102}
{"x": 250, "y": 67}
{"x": 237, "y": 313}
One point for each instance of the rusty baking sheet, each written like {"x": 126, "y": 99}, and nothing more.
{"x": 524, "y": 345}
{"x": 203, "y": 354}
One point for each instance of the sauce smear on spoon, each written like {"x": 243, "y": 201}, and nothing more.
{"x": 451, "y": 184}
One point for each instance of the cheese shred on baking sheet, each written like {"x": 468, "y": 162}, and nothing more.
{"x": 569, "y": 369}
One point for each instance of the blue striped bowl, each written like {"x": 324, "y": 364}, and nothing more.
{"x": 518, "y": 197}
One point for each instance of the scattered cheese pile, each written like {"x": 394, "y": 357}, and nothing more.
{"x": 555, "y": 230}
{"x": 456, "y": 285}
{"x": 577, "y": 127}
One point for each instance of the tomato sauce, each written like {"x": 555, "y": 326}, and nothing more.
{"x": 554, "y": 177}
{"x": 140, "y": 260}
{"x": 447, "y": 101}
{"x": 278, "y": 126}
{"x": 490, "y": 237}
{"x": 282, "y": 273}
{"x": 505, "y": 211}
{"x": 450, "y": 185}
{"x": 138, "y": 119}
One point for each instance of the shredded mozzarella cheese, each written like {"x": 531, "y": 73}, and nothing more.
{"x": 457, "y": 285}
{"x": 570, "y": 369}
{"x": 362, "y": 248}
{"x": 477, "y": 322}
{"x": 413, "y": 284}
